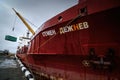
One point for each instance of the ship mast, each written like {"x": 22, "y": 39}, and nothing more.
{"x": 26, "y": 24}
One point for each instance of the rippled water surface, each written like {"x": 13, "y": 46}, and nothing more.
{"x": 9, "y": 69}
{"x": 8, "y": 63}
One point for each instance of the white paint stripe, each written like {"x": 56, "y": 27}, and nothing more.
{"x": 18, "y": 60}
{"x": 21, "y": 65}
{"x": 27, "y": 73}
{"x": 16, "y": 56}
{"x": 31, "y": 79}
{"x": 23, "y": 68}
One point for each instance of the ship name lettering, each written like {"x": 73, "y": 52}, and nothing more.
{"x": 75, "y": 27}
{"x": 49, "y": 33}
{"x": 65, "y": 29}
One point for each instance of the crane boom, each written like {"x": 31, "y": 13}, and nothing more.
{"x": 26, "y": 24}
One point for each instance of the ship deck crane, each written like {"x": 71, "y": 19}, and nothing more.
{"x": 26, "y": 24}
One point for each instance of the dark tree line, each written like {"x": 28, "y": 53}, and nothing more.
{"x": 5, "y": 52}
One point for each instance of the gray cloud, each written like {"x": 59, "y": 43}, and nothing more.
{"x": 36, "y": 11}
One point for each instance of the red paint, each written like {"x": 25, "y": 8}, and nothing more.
{"x": 66, "y": 55}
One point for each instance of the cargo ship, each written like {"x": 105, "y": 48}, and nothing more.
{"x": 81, "y": 43}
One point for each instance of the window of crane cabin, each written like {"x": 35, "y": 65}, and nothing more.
{"x": 83, "y": 11}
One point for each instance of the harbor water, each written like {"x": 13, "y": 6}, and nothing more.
{"x": 9, "y": 69}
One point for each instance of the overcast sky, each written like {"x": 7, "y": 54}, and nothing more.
{"x": 36, "y": 11}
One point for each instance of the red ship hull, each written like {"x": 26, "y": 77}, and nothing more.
{"x": 85, "y": 47}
